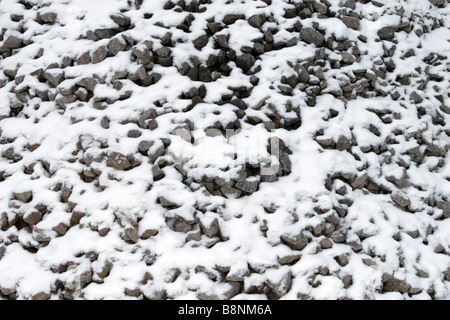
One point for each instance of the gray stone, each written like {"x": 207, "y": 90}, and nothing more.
{"x": 13, "y": 42}
{"x": 120, "y": 19}
{"x": 283, "y": 286}
{"x": 395, "y": 179}
{"x": 292, "y": 80}
{"x": 143, "y": 54}
{"x": 386, "y": 33}
{"x": 347, "y": 280}
{"x": 222, "y": 41}
{"x": 134, "y": 133}
{"x": 145, "y": 145}
{"x": 415, "y": 97}
{"x": 23, "y": 196}
{"x": 392, "y": 284}
{"x": 285, "y": 162}
{"x": 210, "y": 230}
{"x": 99, "y": 54}
{"x": 232, "y": 18}
{"x": 347, "y": 58}
{"x": 88, "y": 83}
{"x": 400, "y": 199}
{"x": 289, "y": 259}
{"x": 230, "y": 192}
{"x": 118, "y": 161}
{"x": 302, "y": 73}
{"x": 41, "y": 296}
{"x": 166, "y": 203}
{"x": 157, "y": 173}
{"x": 104, "y": 123}
{"x": 85, "y": 58}
{"x": 179, "y": 224}
{"x": 49, "y": 17}
{"x": 33, "y": 217}
{"x": 247, "y": 186}
{"x": 444, "y": 206}
{"x": 54, "y": 76}
{"x": 255, "y": 21}
{"x": 62, "y": 101}
{"x": 116, "y": 45}
{"x": 350, "y": 4}
{"x": 200, "y": 42}
{"x": 311, "y": 35}
{"x": 360, "y": 181}
{"x": 131, "y": 233}
{"x": 297, "y": 242}
{"x": 148, "y": 233}
{"x": 213, "y": 26}
{"x": 152, "y": 124}
{"x": 343, "y": 143}
{"x": 342, "y": 260}
{"x": 163, "y": 52}
{"x": 326, "y": 244}
{"x": 156, "y": 152}
{"x": 105, "y": 33}
{"x": 245, "y": 61}
{"x": 2, "y": 251}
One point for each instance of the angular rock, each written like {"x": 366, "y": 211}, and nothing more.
{"x": 116, "y": 45}
{"x": 285, "y": 162}
{"x": 88, "y": 83}
{"x": 210, "y": 230}
{"x": 121, "y": 19}
{"x": 157, "y": 173}
{"x": 54, "y": 76}
{"x": 347, "y": 58}
{"x": 245, "y": 61}
{"x": 283, "y": 286}
{"x": 200, "y": 42}
{"x": 13, "y": 42}
{"x": 311, "y": 35}
{"x": 360, "y": 181}
{"x": 415, "y": 97}
{"x": 247, "y": 186}
{"x": 99, "y": 54}
{"x": 297, "y": 242}
{"x": 232, "y": 18}
{"x": 343, "y": 143}
{"x": 438, "y": 3}
{"x": 392, "y": 284}
{"x": 222, "y": 41}
{"x": 143, "y": 54}
{"x": 386, "y": 33}
{"x": 289, "y": 259}
{"x": 41, "y": 296}
{"x": 23, "y": 196}
{"x": 85, "y": 58}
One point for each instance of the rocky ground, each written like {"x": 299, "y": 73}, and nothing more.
{"x": 224, "y": 149}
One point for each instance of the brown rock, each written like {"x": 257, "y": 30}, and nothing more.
{"x": 118, "y": 161}
{"x": 33, "y": 218}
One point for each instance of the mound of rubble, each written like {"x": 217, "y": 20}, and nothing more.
{"x": 214, "y": 149}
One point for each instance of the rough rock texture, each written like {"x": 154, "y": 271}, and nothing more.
{"x": 202, "y": 149}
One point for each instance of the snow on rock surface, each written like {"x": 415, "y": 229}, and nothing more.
{"x": 213, "y": 149}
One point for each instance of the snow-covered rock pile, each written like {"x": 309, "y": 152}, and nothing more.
{"x": 224, "y": 149}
